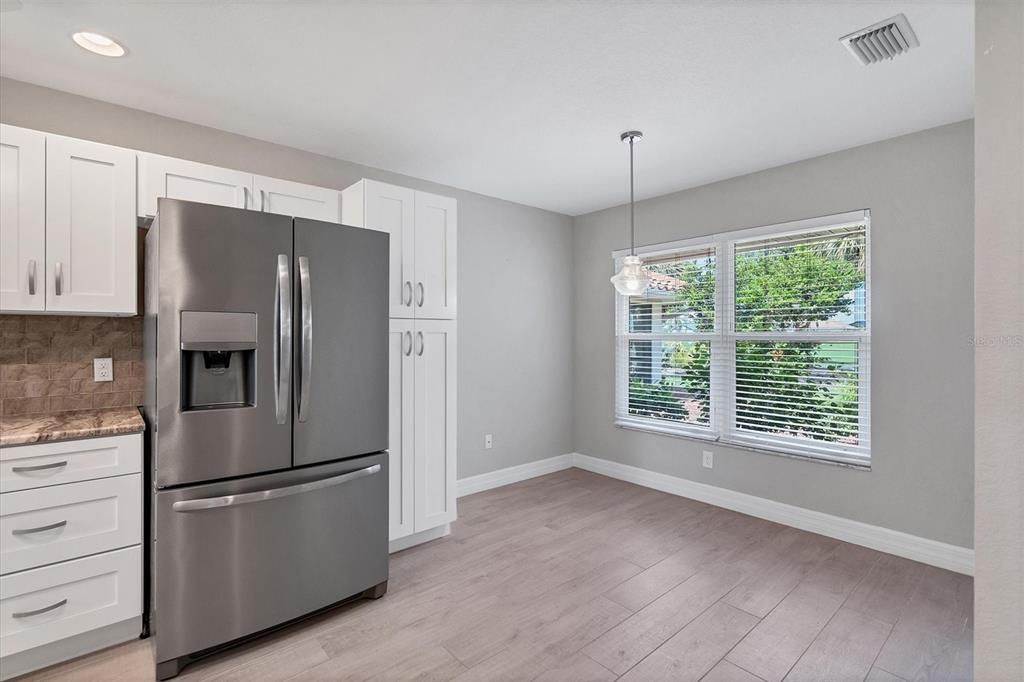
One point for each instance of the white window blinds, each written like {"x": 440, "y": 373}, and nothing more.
{"x": 757, "y": 338}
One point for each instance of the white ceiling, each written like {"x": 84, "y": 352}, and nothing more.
{"x": 518, "y": 100}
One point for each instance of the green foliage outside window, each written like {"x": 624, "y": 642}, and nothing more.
{"x": 806, "y": 389}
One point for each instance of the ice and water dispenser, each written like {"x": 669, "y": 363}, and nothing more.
{"x": 218, "y": 360}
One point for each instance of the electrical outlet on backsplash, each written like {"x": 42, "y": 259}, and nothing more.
{"x": 46, "y": 363}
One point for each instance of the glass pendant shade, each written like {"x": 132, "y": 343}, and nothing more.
{"x": 632, "y": 279}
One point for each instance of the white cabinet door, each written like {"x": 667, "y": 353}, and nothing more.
{"x": 22, "y": 219}
{"x": 388, "y": 208}
{"x": 434, "y": 443}
{"x": 401, "y": 454}
{"x": 90, "y": 227}
{"x": 295, "y": 199}
{"x": 163, "y": 176}
{"x": 435, "y": 250}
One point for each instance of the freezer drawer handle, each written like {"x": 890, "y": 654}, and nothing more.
{"x": 40, "y": 467}
{"x": 272, "y": 494}
{"x": 306, "y": 339}
{"x": 28, "y": 614}
{"x": 39, "y": 529}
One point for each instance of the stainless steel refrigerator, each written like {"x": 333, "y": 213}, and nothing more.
{"x": 267, "y": 406}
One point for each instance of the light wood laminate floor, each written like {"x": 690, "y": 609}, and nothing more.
{"x": 574, "y": 577}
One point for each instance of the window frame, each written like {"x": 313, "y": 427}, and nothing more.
{"x": 723, "y": 339}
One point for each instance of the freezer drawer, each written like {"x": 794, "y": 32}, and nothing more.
{"x": 235, "y": 558}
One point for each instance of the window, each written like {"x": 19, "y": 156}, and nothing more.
{"x": 757, "y": 338}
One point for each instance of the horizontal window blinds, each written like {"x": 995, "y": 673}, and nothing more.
{"x": 761, "y": 341}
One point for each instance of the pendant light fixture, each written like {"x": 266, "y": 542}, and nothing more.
{"x": 632, "y": 279}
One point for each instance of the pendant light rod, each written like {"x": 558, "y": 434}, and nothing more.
{"x": 631, "y": 136}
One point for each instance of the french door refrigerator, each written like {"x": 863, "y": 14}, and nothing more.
{"x": 266, "y": 399}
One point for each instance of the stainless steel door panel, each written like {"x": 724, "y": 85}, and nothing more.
{"x": 213, "y": 259}
{"x": 341, "y": 341}
{"x": 235, "y": 558}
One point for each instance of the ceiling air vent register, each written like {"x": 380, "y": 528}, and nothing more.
{"x": 881, "y": 41}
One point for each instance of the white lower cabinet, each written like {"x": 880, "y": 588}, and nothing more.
{"x": 70, "y": 548}
{"x": 47, "y": 525}
{"x": 422, "y": 418}
{"x": 48, "y": 604}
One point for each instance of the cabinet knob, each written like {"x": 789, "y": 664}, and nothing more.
{"x": 58, "y": 278}
{"x": 31, "y": 278}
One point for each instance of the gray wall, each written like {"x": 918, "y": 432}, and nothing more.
{"x": 999, "y": 347}
{"x": 514, "y": 283}
{"x": 919, "y": 188}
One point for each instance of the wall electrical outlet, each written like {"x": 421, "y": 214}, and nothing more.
{"x": 102, "y": 369}
{"x": 488, "y": 441}
{"x": 708, "y": 459}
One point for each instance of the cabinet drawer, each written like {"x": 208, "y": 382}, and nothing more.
{"x": 33, "y": 466}
{"x": 48, "y": 604}
{"x": 47, "y": 525}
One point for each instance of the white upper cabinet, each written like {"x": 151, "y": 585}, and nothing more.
{"x": 434, "y": 422}
{"x": 163, "y": 176}
{"x": 90, "y": 228}
{"x": 387, "y": 208}
{"x": 22, "y": 219}
{"x": 296, "y": 199}
{"x": 166, "y": 177}
{"x": 434, "y": 258}
{"x": 423, "y": 229}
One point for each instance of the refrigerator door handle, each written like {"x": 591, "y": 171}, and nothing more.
{"x": 306, "y": 339}
{"x": 283, "y": 350}
{"x": 271, "y": 494}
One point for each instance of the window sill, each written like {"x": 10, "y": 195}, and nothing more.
{"x": 709, "y": 438}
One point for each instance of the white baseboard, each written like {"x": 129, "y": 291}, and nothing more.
{"x": 941, "y": 554}
{"x": 496, "y": 479}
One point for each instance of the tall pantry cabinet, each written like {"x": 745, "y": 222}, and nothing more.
{"x": 422, "y": 295}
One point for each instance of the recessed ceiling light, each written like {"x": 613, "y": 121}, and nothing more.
{"x": 98, "y": 43}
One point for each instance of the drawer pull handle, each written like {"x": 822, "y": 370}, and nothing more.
{"x": 40, "y": 529}
{"x": 39, "y": 467}
{"x": 28, "y": 614}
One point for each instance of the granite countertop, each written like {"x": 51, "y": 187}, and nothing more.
{"x": 43, "y": 428}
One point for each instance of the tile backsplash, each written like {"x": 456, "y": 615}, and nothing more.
{"x": 46, "y": 363}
